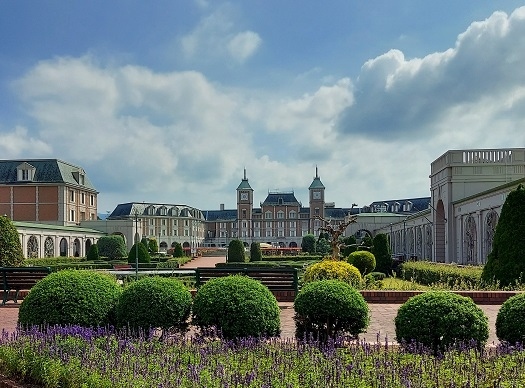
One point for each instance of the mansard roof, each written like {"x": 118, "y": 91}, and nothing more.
{"x": 281, "y": 198}
{"x": 220, "y": 215}
{"x": 130, "y": 209}
{"x": 46, "y": 171}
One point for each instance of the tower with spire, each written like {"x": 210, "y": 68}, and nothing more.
{"x": 317, "y": 202}
{"x": 244, "y": 209}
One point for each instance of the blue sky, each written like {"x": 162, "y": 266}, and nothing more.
{"x": 168, "y": 101}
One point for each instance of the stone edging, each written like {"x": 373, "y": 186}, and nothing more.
{"x": 400, "y": 297}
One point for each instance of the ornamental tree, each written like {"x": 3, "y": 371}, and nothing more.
{"x": 236, "y": 252}
{"x": 506, "y": 263}
{"x": 11, "y": 254}
{"x": 112, "y": 247}
{"x": 382, "y": 253}
{"x": 255, "y": 251}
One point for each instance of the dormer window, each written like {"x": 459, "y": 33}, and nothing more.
{"x": 80, "y": 177}
{"x": 25, "y": 172}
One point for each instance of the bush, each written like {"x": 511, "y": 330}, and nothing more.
{"x": 510, "y": 327}
{"x": 382, "y": 253}
{"x": 154, "y": 302}
{"x": 144, "y": 256}
{"x": 11, "y": 254}
{"x": 112, "y": 247}
{"x": 450, "y": 276}
{"x": 153, "y": 246}
{"x": 506, "y": 262}
{"x": 236, "y": 252}
{"x": 329, "y": 308}
{"x": 350, "y": 245}
{"x": 71, "y": 297}
{"x": 238, "y": 307}
{"x": 364, "y": 261}
{"x": 178, "y": 251}
{"x": 255, "y": 251}
{"x": 439, "y": 319}
{"x": 308, "y": 244}
{"x": 329, "y": 269}
{"x": 93, "y": 253}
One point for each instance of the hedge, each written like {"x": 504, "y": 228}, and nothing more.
{"x": 451, "y": 276}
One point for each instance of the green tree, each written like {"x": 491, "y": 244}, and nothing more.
{"x": 93, "y": 253}
{"x": 11, "y": 254}
{"x": 308, "y": 243}
{"x": 178, "y": 251}
{"x": 144, "y": 256}
{"x": 236, "y": 252}
{"x": 382, "y": 253}
{"x": 255, "y": 251}
{"x": 153, "y": 246}
{"x": 350, "y": 245}
{"x": 112, "y": 247}
{"x": 506, "y": 262}
{"x": 367, "y": 244}
{"x": 323, "y": 247}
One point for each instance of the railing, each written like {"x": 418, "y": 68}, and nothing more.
{"x": 483, "y": 156}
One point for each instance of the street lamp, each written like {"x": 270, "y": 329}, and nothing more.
{"x": 136, "y": 214}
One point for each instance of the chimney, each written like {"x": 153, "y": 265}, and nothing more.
{"x": 222, "y": 206}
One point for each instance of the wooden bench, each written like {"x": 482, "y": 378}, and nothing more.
{"x": 122, "y": 266}
{"x": 16, "y": 279}
{"x": 282, "y": 282}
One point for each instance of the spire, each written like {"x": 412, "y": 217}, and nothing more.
{"x": 316, "y": 184}
{"x": 245, "y": 174}
{"x": 244, "y": 185}
{"x": 316, "y": 172}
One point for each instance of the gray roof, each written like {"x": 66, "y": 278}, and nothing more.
{"x": 46, "y": 171}
{"x": 281, "y": 198}
{"x": 220, "y": 215}
{"x": 130, "y": 209}
{"x": 244, "y": 185}
{"x": 316, "y": 184}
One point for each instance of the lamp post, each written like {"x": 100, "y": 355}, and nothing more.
{"x": 136, "y": 214}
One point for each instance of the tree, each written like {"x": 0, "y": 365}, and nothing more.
{"x": 255, "y": 251}
{"x": 153, "y": 246}
{"x": 11, "y": 254}
{"x": 506, "y": 262}
{"x": 178, "y": 251}
{"x": 236, "y": 252}
{"x": 112, "y": 247}
{"x": 308, "y": 243}
{"x": 336, "y": 234}
{"x": 93, "y": 253}
{"x": 382, "y": 253}
{"x": 144, "y": 256}
{"x": 349, "y": 245}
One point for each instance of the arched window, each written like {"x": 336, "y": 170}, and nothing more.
{"x": 63, "y": 247}
{"x": 76, "y": 248}
{"x": 470, "y": 241}
{"x": 49, "y": 247}
{"x": 490, "y": 228}
{"x": 32, "y": 247}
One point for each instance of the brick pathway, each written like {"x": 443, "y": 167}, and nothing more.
{"x": 381, "y": 315}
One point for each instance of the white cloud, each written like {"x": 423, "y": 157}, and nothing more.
{"x": 216, "y": 37}
{"x": 19, "y": 143}
{"x": 244, "y": 45}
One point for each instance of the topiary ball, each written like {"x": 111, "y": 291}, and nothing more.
{"x": 329, "y": 269}
{"x": 154, "y": 302}
{"x": 71, "y": 297}
{"x": 439, "y": 319}
{"x": 364, "y": 261}
{"x": 238, "y": 307}
{"x": 328, "y": 308}
{"x": 510, "y": 327}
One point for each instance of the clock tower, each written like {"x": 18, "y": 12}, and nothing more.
{"x": 317, "y": 202}
{"x": 244, "y": 210}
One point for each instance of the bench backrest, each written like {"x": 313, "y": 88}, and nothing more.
{"x": 273, "y": 278}
{"x": 22, "y": 278}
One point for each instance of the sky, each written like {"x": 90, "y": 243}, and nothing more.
{"x": 169, "y": 101}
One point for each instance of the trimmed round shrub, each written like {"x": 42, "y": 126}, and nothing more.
{"x": 329, "y": 269}
{"x": 255, "y": 251}
{"x": 236, "y": 306}
{"x": 236, "y": 252}
{"x": 364, "y": 261}
{"x": 144, "y": 256}
{"x": 439, "y": 320}
{"x": 510, "y": 327}
{"x": 328, "y": 308}
{"x": 71, "y": 297}
{"x": 154, "y": 302}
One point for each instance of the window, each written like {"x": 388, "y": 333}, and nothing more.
{"x": 280, "y": 233}
{"x": 71, "y": 215}
{"x": 71, "y": 195}
{"x": 268, "y": 224}
{"x": 174, "y": 232}
{"x": 280, "y": 214}
{"x": 292, "y": 232}
{"x": 257, "y": 224}
{"x": 293, "y": 214}
{"x": 234, "y": 225}
{"x": 292, "y": 224}
{"x": 268, "y": 233}
{"x": 92, "y": 216}
{"x": 268, "y": 215}
{"x": 186, "y": 223}
{"x": 174, "y": 222}
{"x": 317, "y": 211}
{"x": 82, "y": 198}
{"x": 163, "y": 222}
{"x": 281, "y": 224}
{"x": 92, "y": 200}
{"x": 244, "y": 224}
{"x": 82, "y": 216}
{"x": 25, "y": 175}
